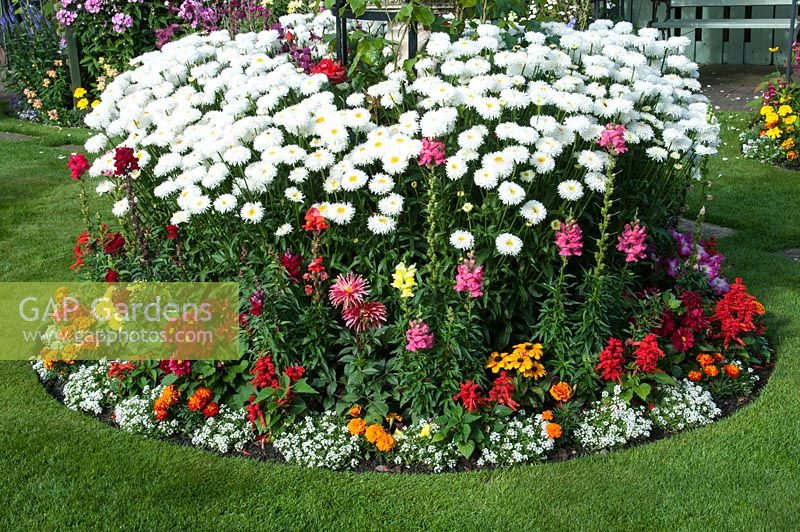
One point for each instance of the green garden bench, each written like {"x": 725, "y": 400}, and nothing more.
{"x": 676, "y": 8}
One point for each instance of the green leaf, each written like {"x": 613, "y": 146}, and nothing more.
{"x": 642, "y": 390}
{"x": 466, "y": 448}
{"x": 302, "y": 386}
{"x": 169, "y": 379}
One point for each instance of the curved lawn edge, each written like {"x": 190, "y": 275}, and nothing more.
{"x": 62, "y": 469}
{"x": 267, "y": 453}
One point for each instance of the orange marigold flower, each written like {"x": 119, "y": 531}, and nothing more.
{"x": 731, "y": 370}
{"x": 695, "y": 376}
{"x": 199, "y": 399}
{"x": 385, "y": 442}
{"x": 718, "y": 357}
{"x": 373, "y": 432}
{"x": 547, "y": 415}
{"x": 705, "y": 359}
{"x": 161, "y": 415}
{"x": 356, "y": 426}
{"x": 211, "y": 409}
{"x": 553, "y": 431}
{"x": 711, "y": 370}
{"x": 355, "y": 410}
{"x": 561, "y": 391}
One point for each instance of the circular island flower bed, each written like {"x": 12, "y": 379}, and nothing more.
{"x": 464, "y": 261}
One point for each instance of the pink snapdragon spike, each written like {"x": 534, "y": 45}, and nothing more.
{"x": 631, "y": 242}
{"x": 613, "y": 139}
{"x": 348, "y": 290}
{"x": 469, "y": 278}
{"x": 418, "y": 336}
{"x": 432, "y": 153}
{"x": 569, "y": 239}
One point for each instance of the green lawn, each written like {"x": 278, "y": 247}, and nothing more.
{"x": 63, "y": 469}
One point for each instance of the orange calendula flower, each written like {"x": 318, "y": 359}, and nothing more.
{"x": 731, "y": 370}
{"x": 355, "y": 410}
{"x": 553, "y": 431}
{"x": 711, "y": 370}
{"x": 695, "y": 376}
{"x": 373, "y": 432}
{"x": 561, "y": 391}
{"x": 705, "y": 359}
{"x": 547, "y": 415}
{"x": 385, "y": 442}
{"x": 356, "y": 426}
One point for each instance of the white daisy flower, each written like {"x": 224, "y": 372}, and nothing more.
{"x": 294, "y": 195}
{"x": 462, "y": 240}
{"x": 542, "y": 162}
{"x": 533, "y": 211}
{"x": 570, "y": 190}
{"x": 283, "y": 230}
{"x": 252, "y": 212}
{"x": 381, "y": 184}
{"x": 237, "y": 155}
{"x": 486, "y": 178}
{"x": 105, "y": 187}
{"x": 120, "y": 208}
{"x": 391, "y": 205}
{"x": 225, "y": 203}
{"x": 353, "y": 180}
{"x": 340, "y": 213}
{"x": 511, "y": 193}
{"x": 508, "y": 244}
{"x": 180, "y": 217}
{"x": 381, "y": 225}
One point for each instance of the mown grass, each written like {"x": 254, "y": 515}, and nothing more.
{"x": 61, "y": 469}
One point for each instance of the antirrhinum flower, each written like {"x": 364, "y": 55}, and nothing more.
{"x": 613, "y": 139}
{"x": 418, "y": 336}
{"x": 470, "y": 278}
{"x": 432, "y": 153}
{"x": 569, "y": 239}
{"x": 631, "y": 242}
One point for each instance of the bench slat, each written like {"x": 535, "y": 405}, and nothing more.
{"x": 726, "y": 3}
{"x": 727, "y": 23}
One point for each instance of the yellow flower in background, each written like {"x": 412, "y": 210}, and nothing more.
{"x": 787, "y": 144}
{"x": 789, "y": 120}
{"x": 404, "y": 279}
{"x": 496, "y": 361}
{"x": 771, "y": 117}
{"x": 773, "y": 49}
{"x": 95, "y": 103}
{"x": 784, "y": 110}
{"x": 79, "y": 92}
{"x": 766, "y": 110}
{"x": 83, "y": 103}
{"x": 774, "y": 133}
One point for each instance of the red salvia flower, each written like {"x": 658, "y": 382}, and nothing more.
{"x": 295, "y": 372}
{"x": 612, "y": 360}
{"x": 265, "y": 375}
{"x": 648, "y": 354}
{"x": 502, "y": 391}
{"x": 735, "y": 313}
{"x": 470, "y": 396}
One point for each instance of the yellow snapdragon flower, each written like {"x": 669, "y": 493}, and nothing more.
{"x": 404, "y": 279}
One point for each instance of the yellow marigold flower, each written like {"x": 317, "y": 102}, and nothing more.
{"x": 771, "y": 117}
{"x": 773, "y": 49}
{"x": 784, "y": 110}
{"x": 95, "y": 103}
{"x": 787, "y": 144}
{"x": 79, "y": 92}
{"x": 385, "y": 442}
{"x": 789, "y": 120}
{"x": 356, "y": 426}
{"x": 765, "y": 110}
{"x": 561, "y": 391}
{"x": 774, "y": 133}
{"x": 496, "y": 361}
{"x": 373, "y": 432}
{"x": 83, "y": 103}
{"x": 404, "y": 279}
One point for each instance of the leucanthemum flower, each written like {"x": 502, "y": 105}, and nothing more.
{"x": 283, "y": 230}
{"x": 340, "y": 213}
{"x": 381, "y": 225}
{"x": 294, "y": 195}
{"x": 381, "y": 184}
{"x": 570, "y": 190}
{"x": 225, "y": 203}
{"x": 533, "y": 211}
{"x": 462, "y": 240}
{"x": 510, "y": 193}
{"x": 508, "y": 244}
{"x": 391, "y": 205}
{"x": 252, "y": 212}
